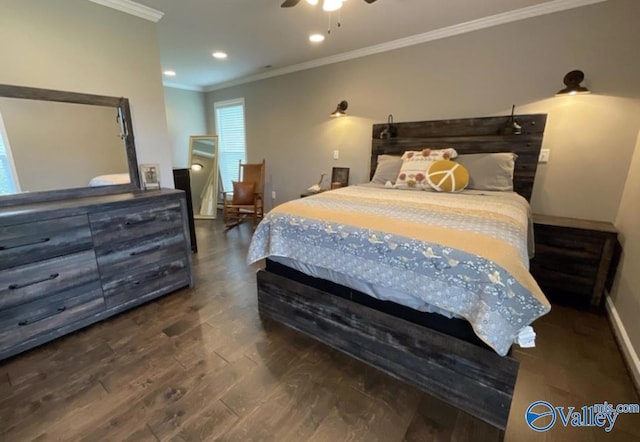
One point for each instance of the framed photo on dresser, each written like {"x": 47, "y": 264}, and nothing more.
{"x": 150, "y": 176}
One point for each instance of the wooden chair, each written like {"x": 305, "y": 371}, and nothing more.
{"x": 245, "y": 201}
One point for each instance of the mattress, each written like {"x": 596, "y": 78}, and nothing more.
{"x": 460, "y": 254}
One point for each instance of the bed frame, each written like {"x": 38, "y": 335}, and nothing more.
{"x": 470, "y": 377}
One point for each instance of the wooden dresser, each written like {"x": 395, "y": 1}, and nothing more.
{"x": 574, "y": 259}
{"x": 69, "y": 263}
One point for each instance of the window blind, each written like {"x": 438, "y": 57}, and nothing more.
{"x": 231, "y": 133}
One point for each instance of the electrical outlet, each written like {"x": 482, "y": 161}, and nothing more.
{"x": 336, "y": 154}
{"x": 544, "y": 156}
{"x": 273, "y": 194}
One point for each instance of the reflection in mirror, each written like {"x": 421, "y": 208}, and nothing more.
{"x": 203, "y": 161}
{"x": 50, "y": 145}
{"x": 60, "y": 144}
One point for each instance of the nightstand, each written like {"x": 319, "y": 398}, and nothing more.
{"x": 575, "y": 259}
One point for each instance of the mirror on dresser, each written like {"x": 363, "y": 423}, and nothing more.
{"x": 57, "y": 144}
{"x": 203, "y": 164}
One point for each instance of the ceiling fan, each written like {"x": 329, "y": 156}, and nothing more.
{"x": 327, "y": 5}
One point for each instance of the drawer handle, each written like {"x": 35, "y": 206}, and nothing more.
{"x": 38, "y": 241}
{"x": 37, "y": 281}
{"x": 140, "y": 221}
{"x": 152, "y": 276}
{"x": 40, "y": 318}
{"x": 144, "y": 251}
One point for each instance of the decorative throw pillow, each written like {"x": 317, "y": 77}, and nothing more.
{"x": 387, "y": 169}
{"x": 243, "y": 192}
{"x": 447, "y": 176}
{"x": 489, "y": 171}
{"x": 413, "y": 173}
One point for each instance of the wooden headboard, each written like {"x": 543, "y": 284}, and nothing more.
{"x": 470, "y": 135}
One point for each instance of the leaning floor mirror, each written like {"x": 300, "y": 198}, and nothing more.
{"x": 203, "y": 161}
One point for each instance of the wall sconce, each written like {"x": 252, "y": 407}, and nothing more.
{"x": 512, "y": 127}
{"x": 341, "y": 109}
{"x": 572, "y": 82}
{"x": 390, "y": 131}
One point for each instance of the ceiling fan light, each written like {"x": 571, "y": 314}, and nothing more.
{"x": 316, "y": 38}
{"x": 331, "y": 5}
{"x": 312, "y": 2}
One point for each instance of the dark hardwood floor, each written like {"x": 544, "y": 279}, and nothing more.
{"x": 200, "y": 364}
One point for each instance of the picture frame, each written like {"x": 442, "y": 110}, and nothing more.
{"x": 339, "y": 177}
{"x": 150, "y": 176}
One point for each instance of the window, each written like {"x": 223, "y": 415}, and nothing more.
{"x": 8, "y": 181}
{"x": 232, "y": 147}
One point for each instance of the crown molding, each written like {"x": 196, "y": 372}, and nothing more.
{"x": 437, "y": 34}
{"x": 132, "y": 8}
{"x": 182, "y": 86}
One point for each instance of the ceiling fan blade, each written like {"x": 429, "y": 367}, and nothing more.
{"x": 369, "y": 1}
{"x": 289, "y": 3}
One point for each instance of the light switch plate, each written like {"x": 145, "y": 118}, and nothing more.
{"x": 336, "y": 154}
{"x": 544, "y": 156}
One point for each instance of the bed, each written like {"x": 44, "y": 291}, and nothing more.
{"x": 456, "y": 268}
{"x": 110, "y": 179}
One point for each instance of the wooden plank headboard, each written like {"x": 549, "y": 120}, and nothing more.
{"x": 470, "y": 135}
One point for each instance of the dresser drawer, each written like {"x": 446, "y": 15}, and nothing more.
{"x": 37, "y": 241}
{"x": 135, "y": 222}
{"x": 120, "y": 257}
{"x": 20, "y": 285}
{"x": 146, "y": 282}
{"x": 27, "y": 321}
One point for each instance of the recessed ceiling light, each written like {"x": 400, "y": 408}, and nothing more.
{"x": 316, "y": 38}
{"x": 219, "y": 55}
{"x": 170, "y": 73}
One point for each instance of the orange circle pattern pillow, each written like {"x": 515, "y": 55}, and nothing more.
{"x": 447, "y": 176}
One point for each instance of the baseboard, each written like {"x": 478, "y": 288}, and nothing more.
{"x": 628, "y": 352}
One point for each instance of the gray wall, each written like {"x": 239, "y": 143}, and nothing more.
{"x": 592, "y": 138}
{"x": 186, "y": 116}
{"x": 626, "y": 290}
{"x": 79, "y": 46}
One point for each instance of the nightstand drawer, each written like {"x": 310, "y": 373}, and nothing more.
{"x": 560, "y": 277}
{"x": 146, "y": 282}
{"x": 27, "y": 283}
{"x": 134, "y": 223}
{"x": 573, "y": 258}
{"x": 27, "y": 321}
{"x": 37, "y": 241}
{"x": 565, "y": 242}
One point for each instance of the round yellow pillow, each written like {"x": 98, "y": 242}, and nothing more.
{"x": 447, "y": 176}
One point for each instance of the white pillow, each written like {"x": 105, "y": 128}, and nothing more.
{"x": 413, "y": 173}
{"x": 387, "y": 169}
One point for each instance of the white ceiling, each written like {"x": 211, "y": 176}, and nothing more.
{"x": 257, "y": 33}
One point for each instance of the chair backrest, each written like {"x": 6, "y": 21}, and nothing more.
{"x": 253, "y": 172}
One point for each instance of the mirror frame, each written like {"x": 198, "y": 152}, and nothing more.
{"x": 216, "y": 165}
{"x": 126, "y": 131}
